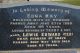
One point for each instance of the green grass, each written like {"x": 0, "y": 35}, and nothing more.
{"x": 73, "y": 2}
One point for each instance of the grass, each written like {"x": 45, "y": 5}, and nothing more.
{"x": 73, "y": 2}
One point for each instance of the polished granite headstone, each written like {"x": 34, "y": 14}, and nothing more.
{"x": 39, "y": 26}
